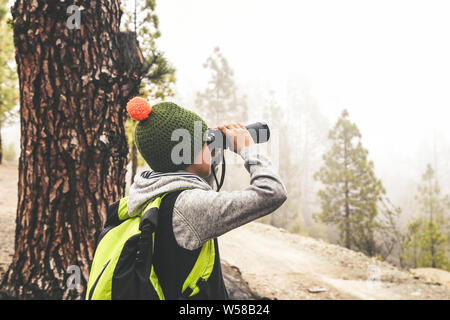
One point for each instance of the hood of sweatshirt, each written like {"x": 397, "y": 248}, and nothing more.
{"x": 150, "y": 184}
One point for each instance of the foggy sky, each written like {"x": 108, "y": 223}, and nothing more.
{"x": 387, "y": 62}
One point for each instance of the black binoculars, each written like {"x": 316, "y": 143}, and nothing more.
{"x": 216, "y": 140}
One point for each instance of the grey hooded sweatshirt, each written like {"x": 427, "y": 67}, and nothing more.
{"x": 201, "y": 213}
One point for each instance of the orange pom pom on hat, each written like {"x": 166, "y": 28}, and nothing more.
{"x": 139, "y": 108}
{"x": 153, "y": 133}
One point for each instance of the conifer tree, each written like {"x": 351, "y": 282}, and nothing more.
{"x": 159, "y": 76}
{"x": 351, "y": 192}
{"x": 411, "y": 245}
{"x": 220, "y": 102}
{"x": 289, "y": 216}
{"x": 426, "y": 243}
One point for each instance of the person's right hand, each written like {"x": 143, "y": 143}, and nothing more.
{"x": 238, "y": 135}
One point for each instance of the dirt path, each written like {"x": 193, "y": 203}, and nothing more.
{"x": 8, "y": 203}
{"x": 285, "y": 266}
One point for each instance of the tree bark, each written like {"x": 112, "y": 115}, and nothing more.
{"x": 74, "y": 84}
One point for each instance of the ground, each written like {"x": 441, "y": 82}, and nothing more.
{"x": 280, "y": 265}
{"x": 8, "y": 205}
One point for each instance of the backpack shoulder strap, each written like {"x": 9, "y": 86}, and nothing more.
{"x": 115, "y": 215}
{"x": 197, "y": 278}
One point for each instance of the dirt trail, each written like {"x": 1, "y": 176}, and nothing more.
{"x": 8, "y": 203}
{"x": 280, "y": 265}
{"x": 276, "y": 264}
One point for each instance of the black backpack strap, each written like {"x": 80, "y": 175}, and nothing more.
{"x": 112, "y": 220}
{"x": 204, "y": 292}
{"x": 204, "y": 289}
{"x": 145, "y": 244}
{"x": 145, "y": 247}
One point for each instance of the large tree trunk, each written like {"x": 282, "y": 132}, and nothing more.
{"x": 74, "y": 85}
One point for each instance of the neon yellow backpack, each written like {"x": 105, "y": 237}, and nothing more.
{"x": 122, "y": 267}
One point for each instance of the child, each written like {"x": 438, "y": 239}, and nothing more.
{"x": 192, "y": 214}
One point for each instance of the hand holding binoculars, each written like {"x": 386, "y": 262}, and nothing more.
{"x": 217, "y": 140}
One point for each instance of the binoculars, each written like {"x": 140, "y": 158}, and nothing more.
{"x": 216, "y": 139}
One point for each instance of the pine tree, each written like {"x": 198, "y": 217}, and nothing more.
{"x": 8, "y": 77}
{"x": 288, "y": 216}
{"x": 427, "y": 238}
{"x": 159, "y": 76}
{"x": 432, "y": 204}
{"x": 434, "y": 207}
{"x": 351, "y": 192}
{"x": 220, "y": 102}
{"x": 389, "y": 236}
{"x": 307, "y": 128}
{"x": 412, "y": 244}
{"x": 433, "y": 244}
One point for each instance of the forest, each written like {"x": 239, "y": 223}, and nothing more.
{"x": 368, "y": 177}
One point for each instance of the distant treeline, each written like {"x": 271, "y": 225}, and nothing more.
{"x": 334, "y": 193}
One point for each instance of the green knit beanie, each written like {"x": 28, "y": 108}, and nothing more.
{"x": 159, "y": 141}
